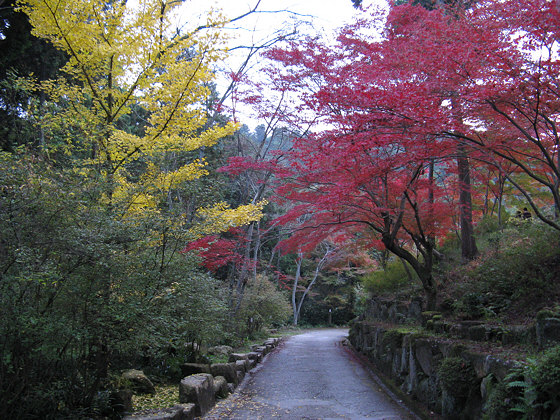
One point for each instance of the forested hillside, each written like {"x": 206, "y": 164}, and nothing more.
{"x": 418, "y": 154}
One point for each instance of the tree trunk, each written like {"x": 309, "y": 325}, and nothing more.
{"x": 501, "y": 182}
{"x": 294, "y": 289}
{"x": 468, "y": 244}
{"x": 244, "y": 274}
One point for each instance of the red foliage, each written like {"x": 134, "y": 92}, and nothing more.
{"x": 241, "y": 164}
{"x": 217, "y": 252}
{"x": 398, "y": 105}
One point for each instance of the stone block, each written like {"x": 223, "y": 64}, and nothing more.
{"x": 240, "y": 375}
{"x": 519, "y": 334}
{"x": 198, "y": 390}
{"x": 270, "y": 342}
{"x": 485, "y": 385}
{"x": 429, "y": 392}
{"x": 242, "y": 365}
{"x": 260, "y": 349}
{"x": 428, "y": 355}
{"x": 478, "y": 333}
{"x": 478, "y": 362}
{"x": 227, "y": 370}
{"x": 498, "y": 367}
{"x": 221, "y": 389}
{"x": 121, "y": 400}
{"x": 220, "y": 350}
{"x": 256, "y": 356}
{"x": 548, "y": 331}
{"x": 415, "y": 309}
{"x": 194, "y": 368}
{"x": 234, "y": 357}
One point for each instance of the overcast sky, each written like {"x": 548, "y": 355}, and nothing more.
{"x": 319, "y": 16}
{"x": 327, "y": 13}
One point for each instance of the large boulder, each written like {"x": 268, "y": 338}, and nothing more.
{"x": 138, "y": 381}
{"x": 198, "y": 390}
{"x": 227, "y": 370}
{"x": 221, "y": 389}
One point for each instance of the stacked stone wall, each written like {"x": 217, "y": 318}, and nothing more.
{"x": 413, "y": 362}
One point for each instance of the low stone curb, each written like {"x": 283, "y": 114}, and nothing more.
{"x": 204, "y": 383}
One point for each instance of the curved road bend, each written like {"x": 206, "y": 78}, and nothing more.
{"x": 310, "y": 376}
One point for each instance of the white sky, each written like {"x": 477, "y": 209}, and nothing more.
{"x": 320, "y": 16}
{"x": 326, "y": 13}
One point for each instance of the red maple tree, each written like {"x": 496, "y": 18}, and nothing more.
{"x": 450, "y": 84}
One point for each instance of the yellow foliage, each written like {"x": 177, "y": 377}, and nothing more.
{"x": 168, "y": 180}
{"x": 123, "y": 55}
{"x": 221, "y": 218}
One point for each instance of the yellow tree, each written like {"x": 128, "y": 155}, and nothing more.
{"x": 123, "y": 56}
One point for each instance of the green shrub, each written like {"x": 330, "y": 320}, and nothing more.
{"x": 489, "y": 224}
{"x": 545, "y": 375}
{"x": 263, "y": 305}
{"x": 520, "y": 269}
{"x": 498, "y": 404}
{"x": 532, "y": 390}
{"x": 470, "y": 306}
{"x": 392, "y": 278}
{"x": 546, "y": 313}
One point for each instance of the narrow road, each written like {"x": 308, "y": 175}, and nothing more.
{"x": 310, "y": 376}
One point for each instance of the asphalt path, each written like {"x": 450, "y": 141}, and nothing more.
{"x": 310, "y": 376}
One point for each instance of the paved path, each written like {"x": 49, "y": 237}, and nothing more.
{"x": 309, "y": 376}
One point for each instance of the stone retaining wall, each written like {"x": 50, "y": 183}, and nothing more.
{"x": 413, "y": 363}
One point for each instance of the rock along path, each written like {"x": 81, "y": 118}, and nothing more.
{"x": 310, "y": 376}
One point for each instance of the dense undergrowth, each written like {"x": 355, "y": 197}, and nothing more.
{"x": 513, "y": 278}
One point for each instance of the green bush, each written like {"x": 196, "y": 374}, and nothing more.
{"x": 545, "y": 376}
{"x": 263, "y": 305}
{"x": 520, "y": 268}
{"x": 84, "y": 290}
{"x": 531, "y": 391}
{"x": 489, "y": 224}
{"x": 472, "y": 305}
{"x": 499, "y": 403}
{"x": 392, "y": 278}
